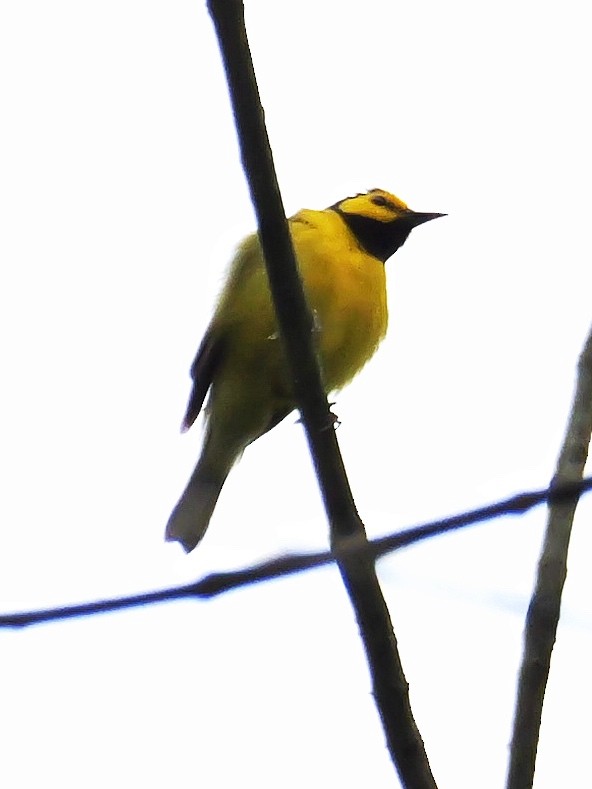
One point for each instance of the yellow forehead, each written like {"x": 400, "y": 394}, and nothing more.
{"x": 376, "y": 204}
{"x": 399, "y": 204}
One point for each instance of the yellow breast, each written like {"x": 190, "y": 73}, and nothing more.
{"x": 346, "y": 289}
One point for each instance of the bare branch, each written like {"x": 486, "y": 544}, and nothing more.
{"x": 543, "y": 613}
{"x": 391, "y": 690}
{"x": 218, "y": 583}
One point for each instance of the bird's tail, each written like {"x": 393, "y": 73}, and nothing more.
{"x": 190, "y": 518}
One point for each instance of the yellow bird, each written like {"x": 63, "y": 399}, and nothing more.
{"x": 341, "y": 253}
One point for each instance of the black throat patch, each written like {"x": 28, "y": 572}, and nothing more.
{"x": 380, "y": 239}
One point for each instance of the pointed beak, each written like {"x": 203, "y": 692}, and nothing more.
{"x": 415, "y": 218}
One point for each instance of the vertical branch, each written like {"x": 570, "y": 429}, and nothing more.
{"x": 359, "y": 574}
{"x": 545, "y": 606}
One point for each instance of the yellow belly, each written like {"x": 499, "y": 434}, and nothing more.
{"x": 346, "y": 290}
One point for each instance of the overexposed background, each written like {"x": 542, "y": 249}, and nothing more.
{"x": 121, "y": 201}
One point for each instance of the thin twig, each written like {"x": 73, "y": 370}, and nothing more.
{"x": 545, "y": 606}
{"x": 218, "y": 583}
{"x": 391, "y": 690}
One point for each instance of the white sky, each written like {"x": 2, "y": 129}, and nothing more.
{"x": 121, "y": 200}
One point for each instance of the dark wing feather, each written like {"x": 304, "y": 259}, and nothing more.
{"x": 203, "y": 369}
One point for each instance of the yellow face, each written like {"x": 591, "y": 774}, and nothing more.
{"x": 376, "y": 204}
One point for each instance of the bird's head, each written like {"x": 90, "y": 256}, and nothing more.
{"x": 380, "y": 221}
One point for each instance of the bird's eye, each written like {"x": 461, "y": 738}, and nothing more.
{"x": 379, "y": 200}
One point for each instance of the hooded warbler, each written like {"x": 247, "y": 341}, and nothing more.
{"x": 341, "y": 252}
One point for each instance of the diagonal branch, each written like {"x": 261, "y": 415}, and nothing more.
{"x": 545, "y": 606}
{"x": 358, "y": 573}
{"x": 220, "y": 582}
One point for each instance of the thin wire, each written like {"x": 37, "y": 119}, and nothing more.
{"x": 219, "y": 583}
